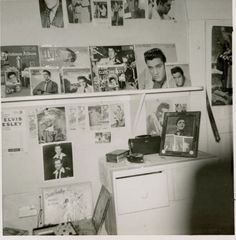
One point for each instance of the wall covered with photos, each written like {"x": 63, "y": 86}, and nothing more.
{"x": 82, "y": 137}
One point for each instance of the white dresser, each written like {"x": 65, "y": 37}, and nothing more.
{"x": 155, "y": 197}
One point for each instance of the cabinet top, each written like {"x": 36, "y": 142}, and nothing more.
{"x": 154, "y": 160}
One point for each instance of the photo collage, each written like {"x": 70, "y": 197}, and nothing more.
{"x": 48, "y": 70}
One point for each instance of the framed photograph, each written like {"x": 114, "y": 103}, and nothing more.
{"x": 180, "y": 134}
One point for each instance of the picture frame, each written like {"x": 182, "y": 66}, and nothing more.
{"x": 180, "y": 134}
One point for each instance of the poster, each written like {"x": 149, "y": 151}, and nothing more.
{"x": 151, "y": 60}
{"x": 98, "y": 117}
{"x": 51, "y": 124}
{"x": 100, "y": 11}
{"x": 117, "y": 115}
{"x": 77, "y": 80}
{"x": 45, "y": 81}
{"x": 72, "y": 116}
{"x": 82, "y": 110}
{"x": 134, "y": 9}
{"x": 117, "y": 13}
{"x": 178, "y": 75}
{"x": 64, "y": 56}
{"x": 79, "y": 11}
{"x": 16, "y": 60}
{"x": 115, "y": 63}
{"x": 14, "y": 130}
{"x": 58, "y": 161}
{"x": 221, "y": 65}
{"x": 67, "y": 203}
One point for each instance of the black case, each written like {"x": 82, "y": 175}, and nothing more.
{"x": 145, "y": 144}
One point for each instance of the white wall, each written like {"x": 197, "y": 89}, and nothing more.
{"x": 20, "y": 25}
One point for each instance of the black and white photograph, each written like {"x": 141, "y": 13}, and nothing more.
{"x": 16, "y": 60}
{"x": 45, "y": 81}
{"x": 71, "y": 112}
{"x": 57, "y": 160}
{"x": 151, "y": 60}
{"x": 79, "y": 11}
{"x": 51, "y": 13}
{"x": 221, "y": 65}
{"x": 117, "y": 115}
{"x": 134, "y": 9}
{"x": 113, "y": 68}
{"x": 117, "y": 13}
{"x": 77, "y": 80}
{"x": 64, "y": 57}
{"x": 178, "y": 75}
{"x": 102, "y": 137}
{"x": 98, "y": 117}
{"x": 182, "y": 132}
{"x": 100, "y": 11}
{"x": 180, "y": 107}
{"x": 51, "y": 124}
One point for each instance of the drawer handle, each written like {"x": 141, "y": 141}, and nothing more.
{"x": 145, "y": 196}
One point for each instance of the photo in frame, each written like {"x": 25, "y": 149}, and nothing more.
{"x": 180, "y": 134}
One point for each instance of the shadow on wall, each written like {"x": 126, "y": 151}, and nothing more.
{"x": 213, "y": 202}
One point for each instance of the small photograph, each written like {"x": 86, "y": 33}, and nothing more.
{"x": 77, "y": 80}
{"x": 51, "y": 124}
{"x": 151, "y": 60}
{"x": 49, "y": 20}
{"x": 178, "y": 75}
{"x": 161, "y": 9}
{"x": 64, "y": 57}
{"x": 181, "y": 107}
{"x": 134, "y": 9}
{"x": 45, "y": 81}
{"x": 102, "y": 137}
{"x": 100, "y": 9}
{"x": 57, "y": 160}
{"x": 113, "y": 68}
{"x": 117, "y": 115}
{"x": 79, "y": 11}
{"x": 117, "y": 10}
{"x": 221, "y": 65}
{"x": 72, "y": 116}
{"x": 155, "y": 110}
{"x": 82, "y": 117}
{"x": 17, "y": 60}
{"x": 184, "y": 129}
{"x": 12, "y": 83}
{"x": 98, "y": 117}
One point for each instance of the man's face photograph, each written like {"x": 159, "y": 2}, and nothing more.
{"x": 181, "y": 124}
{"x": 178, "y": 78}
{"x": 46, "y": 76}
{"x": 164, "y": 8}
{"x": 58, "y": 164}
{"x": 157, "y": 69}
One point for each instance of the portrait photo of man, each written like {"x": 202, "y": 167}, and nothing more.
{"x": 154, "y": 75}
{"x": 58, "y": 160}
{"x": 178, "y": 75}
{"x": 51, "y": 13}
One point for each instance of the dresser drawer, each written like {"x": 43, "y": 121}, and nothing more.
{"x": 141, "y": 192}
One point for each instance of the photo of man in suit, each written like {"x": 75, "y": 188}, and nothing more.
{"x": 51, "y": 13}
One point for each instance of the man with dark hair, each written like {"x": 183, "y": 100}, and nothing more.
{"x": 179, "y": 78}
{"x": 160, "y": 10}
{"x": 155, "y": 119}
{"x": 12, "y": 83}
{"x": 84, "y": 85}
{"x": 51, "y": 13}
{"x": 155, "y": 74}
{"x": 47, "y": 86}
{"x": 60, "y": 170}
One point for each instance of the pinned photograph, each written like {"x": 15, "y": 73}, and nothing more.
{"x": 113, "y": 68}
{"x": 178, "y": 75}
{"x": 98, "y": 117}
{"x": 155, "y": 110}
{"x": 45, "y": 81}
{"x": 134, "y": 9}
{"x": 181, "y": 107}
{"x": 51, "y": 13}
{"x": 57, "y": 161}
{"x": 151, "y": 60}
{"x": 117, "y": 13}
{"x": 51, "y": 124}
{"x": 102, "y": 137}
{"x": 79, "y": 11}
{"x": 72, "y": 116}
{"x": 77, "y": 80}
{"x": 82, "y": 117}
{"x": 221, "y": 65}
{"x": 15, "y": 63}
{"x": 100, "y": 11}
{"x": 64, "y": 57}
{"x": 180, "y": 134}
{"x": 117, "y": 115}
